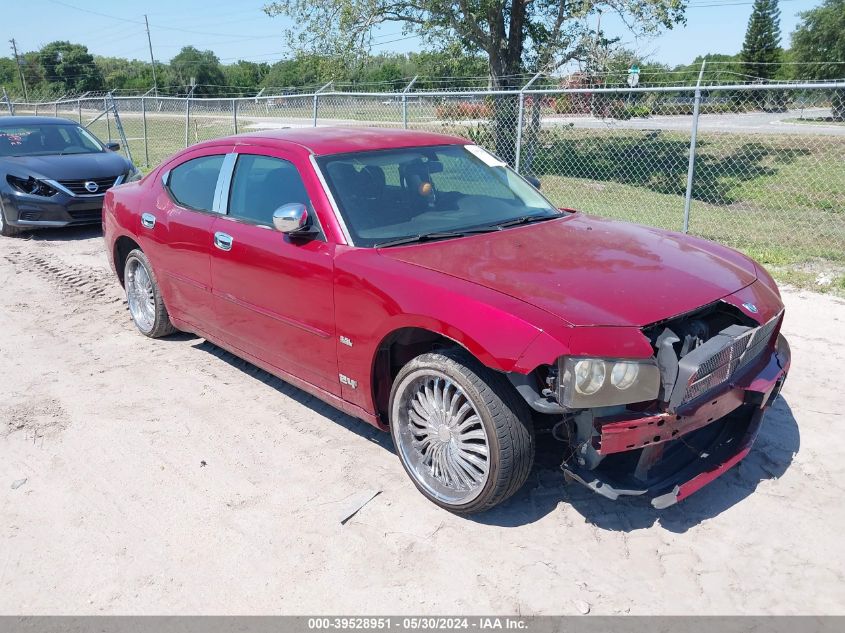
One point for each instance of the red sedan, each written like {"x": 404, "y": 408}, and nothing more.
{"x": 415, "y": 281}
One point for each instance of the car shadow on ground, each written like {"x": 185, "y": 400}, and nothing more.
{"x": 545, "y": 490}
{"x": 770, "y": 457}
{"x": 64, "y": 234}
{"x": 359, "y": 427}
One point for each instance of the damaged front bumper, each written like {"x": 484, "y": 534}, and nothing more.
{"x": 667, "y": 456}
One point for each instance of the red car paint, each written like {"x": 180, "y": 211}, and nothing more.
{"x": 516, "y": 299}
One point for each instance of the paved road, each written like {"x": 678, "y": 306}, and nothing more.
{"x": 740, "y": 123}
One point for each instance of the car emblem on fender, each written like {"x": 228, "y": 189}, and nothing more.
{"x": 750, "y": 307}
{"x": 91, "y": 186}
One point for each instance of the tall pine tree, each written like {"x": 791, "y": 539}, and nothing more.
{"x": 761, "y": 49}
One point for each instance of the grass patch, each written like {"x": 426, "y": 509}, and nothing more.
{"x": 778, "y": 198}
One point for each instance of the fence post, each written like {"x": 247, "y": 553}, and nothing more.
{"x": 235, "y": 114}
{"x": 144, "y": 129}
{"x": 692, "y": 141}
{"x": 405, "y": 102}
{"x": 79, "y": 105}
{"x": 8, "y": 102}
{"x": 56, "y": 105}
{"x": 519, "y": 124}
{"x": 187, "y": 120}
{"x": 316, "y": 97}
{"x": 108, "y": 119}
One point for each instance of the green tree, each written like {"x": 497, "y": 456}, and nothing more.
{"x": 9, "y": 75}
{"x": 304, "y": 70}
{"x": 125, "y": 74}
{"x": 244, "y": 78}
{"x": 70, "y": 67}
{"x": 818, "y": 42}
{"x": 761, "y": 49}
{"x": 450, "y": 63}
{"x": 201, "y": 67}
{"x": 516, "y": 36}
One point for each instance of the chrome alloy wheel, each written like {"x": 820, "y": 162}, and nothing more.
{"x": 140, "y": 295}
{"x": 441, "y": 437}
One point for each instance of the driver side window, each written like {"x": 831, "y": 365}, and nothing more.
{"x": 262, "y": 184}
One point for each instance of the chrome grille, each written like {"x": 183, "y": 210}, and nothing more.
{"x": 78, "y": 186}
{"x": 718, "y": 369}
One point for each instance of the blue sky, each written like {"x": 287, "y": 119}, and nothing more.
{"x": 240, "y": 30}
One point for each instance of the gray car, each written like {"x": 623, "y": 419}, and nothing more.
{"x": 54, "y": 173}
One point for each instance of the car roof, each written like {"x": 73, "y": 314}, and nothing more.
{"x": 34, "y": 120}
{"x": 340, "y": 140}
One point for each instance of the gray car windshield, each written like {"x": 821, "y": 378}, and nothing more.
{"x": 389, "y": 197}
{"x": 43, "y": 140}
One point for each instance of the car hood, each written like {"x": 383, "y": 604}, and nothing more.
{"x": 70, "y": 166}
{"x": 591, "y": 271}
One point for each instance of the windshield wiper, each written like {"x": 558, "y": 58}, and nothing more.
{"x": 437, "y": 235}
{"x": 525, "y": 219}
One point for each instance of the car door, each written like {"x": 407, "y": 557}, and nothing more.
{"x": 179, "y": 227}
{"x": 273, "y": 292}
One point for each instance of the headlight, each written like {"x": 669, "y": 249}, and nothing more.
{"x": 32, "y": 186}
{"x": 589, "y": 376}
{"x": 134, "y": 174}
{"x": 601, "y": 382}
{"x": 624, "y": 374}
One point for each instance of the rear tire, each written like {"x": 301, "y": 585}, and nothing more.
{"x": 463, "y": 434}
{"x": 146, "y": 306}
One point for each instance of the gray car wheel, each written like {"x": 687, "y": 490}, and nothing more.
{"x": 146, "y": 305}
{"x": 462, "y": 433}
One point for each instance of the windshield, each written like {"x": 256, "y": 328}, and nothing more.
{"x": 41, "y": 140}
{"x": 387, "y": 195}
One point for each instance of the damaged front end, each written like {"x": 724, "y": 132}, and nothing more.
{"x": 713, "y": 374}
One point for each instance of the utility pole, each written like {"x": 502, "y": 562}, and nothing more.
{"x": 20, "y": 70}
{"x": 152, "y": 59}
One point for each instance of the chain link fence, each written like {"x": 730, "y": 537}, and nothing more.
{"x": 758, "y": 167}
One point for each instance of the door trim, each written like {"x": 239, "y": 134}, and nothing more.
{"x": 224, "y": 181}
{"x": 272, "y": 315}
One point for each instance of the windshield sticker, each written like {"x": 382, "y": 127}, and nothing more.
{"x": 486, "y": 157}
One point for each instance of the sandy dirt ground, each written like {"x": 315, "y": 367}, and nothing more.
{"x": 170, "y": 477}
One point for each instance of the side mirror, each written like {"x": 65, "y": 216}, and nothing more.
{"x": 534, "y": 182}
{"x": 113, "y": 146}
{"x": 291, "y": 218}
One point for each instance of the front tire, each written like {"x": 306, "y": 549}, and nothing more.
{"x": 462, "y": 433}
{"x": 143, "y": 295}
{"x": 6, "y": 229}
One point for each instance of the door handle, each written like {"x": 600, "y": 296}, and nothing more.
{"x": 148, "y": 220}
{"x": 223, "y": 241}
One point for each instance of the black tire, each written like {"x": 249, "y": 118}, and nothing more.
{"x": 505, "y": 418}
{"x": 160, "y": 325}
{"x": 7, "y": 230}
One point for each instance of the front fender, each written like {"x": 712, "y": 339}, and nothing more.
{"x": 376, "y": 296}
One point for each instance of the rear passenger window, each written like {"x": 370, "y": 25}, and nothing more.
{"x": 192, "y": 183}
{"x": 262, "y": 184}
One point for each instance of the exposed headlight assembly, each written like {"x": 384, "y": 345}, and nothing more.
{"x": 601, "y": 382}
{"x": 32, "y": 186}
